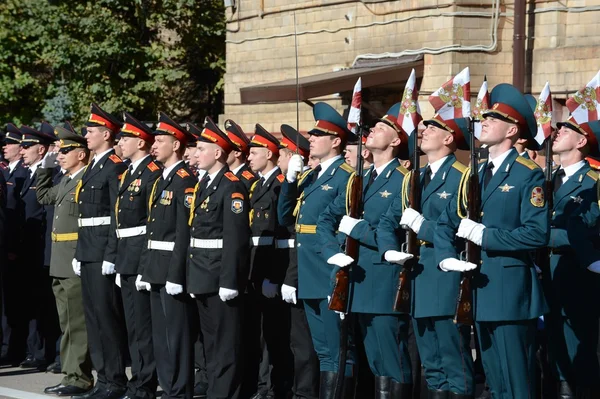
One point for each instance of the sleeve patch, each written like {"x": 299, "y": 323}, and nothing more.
{"x": 153, "y": 167}
{"x": 231, "y": 176}
{"x": 537, "y": 197}
{"x": 182, "y": 173}
{"x": 281, "y": 178}
{"x": 237, "y": 206}
{"x": 237, "y": 195}
{"x": 247, "y": 175}
{"x": 189, "y": 190}
{"x": 189, "y": 198}
{"x": 115, "y": 158}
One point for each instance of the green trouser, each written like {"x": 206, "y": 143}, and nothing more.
{"x": 74, "y": 354}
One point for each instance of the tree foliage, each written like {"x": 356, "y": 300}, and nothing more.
{"x": 141, "y": 56}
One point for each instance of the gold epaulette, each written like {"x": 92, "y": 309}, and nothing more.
{"x": 459, "y": 166}
{"x": 153, "y": 167}
{"x": 528, "y": 163}
{"x": 402, "y": 170}
{"x": 281, "y": 178}
{"x": 182, "y": 173}
{"x": 115, "y": 158}
{"x": 231, "y": 176}
{"x": 592, "y": 174}
{"x": 347, "y": 168}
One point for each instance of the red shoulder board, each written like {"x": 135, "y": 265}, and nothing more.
{"x": 182, "y": 173}
{"x": 247, "y": 175}
{"x": 3, "y": 166}
{"x": 231, "y": 176}
{"x": 281, "y": 178}
{"x": 115, "y": 158}
{"x": 153, "y": 167}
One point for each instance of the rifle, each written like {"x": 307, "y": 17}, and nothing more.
{"x": 341, "y": 290}
{"x": 411, "y": 246}
{"x": 542, "y": 255}
{"x": 472, "y": 253}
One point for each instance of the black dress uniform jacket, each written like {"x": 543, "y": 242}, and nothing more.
{"x": 14, "y": 206}
{"x": 220, "y": 212}
{"x": 96, "y": 197}
{"x": 246, "y": 176}
{"x": 170, "y": 202}
{"x": 132, "y": 204}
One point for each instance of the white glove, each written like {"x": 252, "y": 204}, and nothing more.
{"x": 455, "y": 265}
{"x": 108, "y": 268}
{"x": 594, "y": 267}
{"x": 341, "y": 314}
{"x": 226, "y": 294}
{"x": 49, "y": 160}
{"x": 76, "y": 266}
{"x": 269, "y": 289}
{"x": 412, "y": 219}
{"x": 294, "y": 168}
{"x": 141, "y": 285}
{"x": 347, "y": 224}
{"x": 173, "y": 289}
{"x": 288, "y": 293}
{"x": 470, "y": 230}
{"x": 397, "y": 257}
{"x": 118, "y": 280}
{"x": 341, "y": 260}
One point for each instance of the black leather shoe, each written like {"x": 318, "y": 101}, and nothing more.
{"x": 31, "y": 363}
{"x": 10, "y": 361}
{"x": 53, "y": 389}
{"x": 437, "y": 394}
{"x": 454, "y": 395}
{"x": 109, "y": 394}
{"x": 200, "y": 390}
{"x": 564, "y": 391}
{"x": 88, "y": 394}
{"x": 54, "y": 368}
{"x": 129, "y": 396}
{"x": 71, "y": 390}
{"x": 257, "y": 395}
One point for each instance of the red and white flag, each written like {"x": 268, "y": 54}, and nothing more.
{"x": 410, "y": 112}
{"x": 481, "y": 106}
{"x": 354, "y": 114}
{"x": 543, "y": 115}
{"x": 453, "y": 99}
{"x": 584, "y": 104}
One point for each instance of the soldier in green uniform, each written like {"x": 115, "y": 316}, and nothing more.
{"x": 75, "y": 358}
{"x": 508, "y": 295}
{"x": 443, "y": 346}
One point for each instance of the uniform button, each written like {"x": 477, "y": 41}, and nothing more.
{"x": 80, "y": 203}
{"x": 56, "y": 217}
{"x": 83, "y": 189}
{"x": 154, "y": 220}
{"x": 151, "y": 233}
{"x": 191, "y": 256}
{"x": 119, "y": 225}
{"x": 299, "y": 245}
{"x": 303, "y": 202}
{"x": 119, "y": 211}
{"x": 80, "y": 213}
{"x": 481, "y": 215}
{"x": 481, "y": 262}
{"x": 59, "y": 204}
{"x": 121, "y": 197}
{"x": 300, "y": 217}
{"x": 193, "y": 228}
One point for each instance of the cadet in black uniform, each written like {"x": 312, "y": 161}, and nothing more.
{"x": 132, "y": 213}
{"x": 164, "y": 269}
{"x": 237, "y": 158}
{"x": 218, "y": 263}
{"x": 95, "y": 256}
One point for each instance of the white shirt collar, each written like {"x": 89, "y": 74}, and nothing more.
{"x": 499, "y": 160}
{"x": 572, "y": 169}
{"x": 435, "y": 166}
{"x": 137, "y": 163}
{"x": 98, "y": 157}
{"x": 327, "y": 164}
{"x": 380, "y": 169}
{"x": 72, "y": 175}
{"x": 201, "y": 173}
{"x": 168, "y": 170}
{"x": 234, "y": 171}
{"x": 33, "y": 168}
{"x": 268, "y": 174}
{"x": 13, "y": 165}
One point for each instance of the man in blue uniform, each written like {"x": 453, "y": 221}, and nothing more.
{"x": 508, "y": 295}
{"x": 443, "y": 346}
{"x": 302, "y": 199}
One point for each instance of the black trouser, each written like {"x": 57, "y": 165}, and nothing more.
{"x": 44, "y": 328}
{"x": 105, "y": 325}
{"x": 17, "y": 308}
{"x": 221, "y": 324}
{"x": 136, "y": 307}
{"x": 173, "y": 341}
{"x": 200, "y": 376}
{"x": 306, "y": 363}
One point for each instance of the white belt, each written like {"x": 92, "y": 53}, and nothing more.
{"x": 206, "y": 243}
{"x": 161, "y": 245}
{"x": 92, "y": 222}
{"x": 131, "y": 232}
{"x": 261, "y": 241}
{"x": 285, "y": 243}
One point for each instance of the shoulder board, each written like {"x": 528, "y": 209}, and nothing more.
{"x": 115, "y": 158}
{"x": 3, "y": 166}
{"x": 281, "y": 178}
{"x": 182, "y": 173}
{"x": 459, "y": 166}
{"x": 153, "y": 167}
{"x": 528, "y": 163}
{"x": 402, "y": 170}
{"x": 247, "y": 175}
{"x": 346, "y": 167}
{"x": 592, "y": 174}
{"x": 189, "y": 190}
{"x": 231, "y": 176}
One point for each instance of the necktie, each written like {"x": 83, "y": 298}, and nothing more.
{"x": 488, "y": 174}
{"x": 372, "y": 177}
{"x": 204, "y": 182}
{"x": 262, "y": 181}
{"x": 130, "y": 170}
{"x": 558, "y": 181}
{"x": 427, "y": 178}
{"x": 316, "y": 172}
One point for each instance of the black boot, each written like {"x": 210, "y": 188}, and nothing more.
{"x": 383, "y": 388}
{"x": 327, "y": 384}
{"x": 401, "y": 391}
{"x": 564, "y": 391}
{"x": 437, "y": 394}
{"x": 349, "y": 388}
{"x": 460, "y": 396}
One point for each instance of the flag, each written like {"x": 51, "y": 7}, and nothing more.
{"x": 543, "y": 115}
{"x": 584, "y": 104}
{"x": 453, "y": 99}
{"x": 410, "y": 113}
{"x": 481, "y": 106}
{"x": 354, "y": 114}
